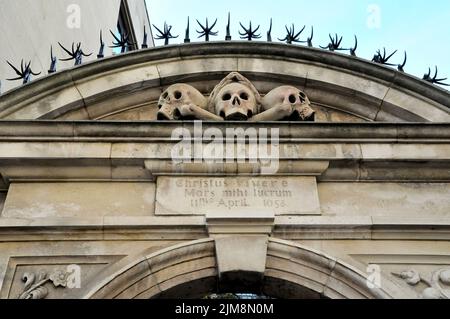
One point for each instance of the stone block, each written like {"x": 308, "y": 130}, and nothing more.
{"x": 47, "y": 200}
{"x": 241, "y": 261}
{"x": 385, "y": 199}
{"x": 199, "y": 196}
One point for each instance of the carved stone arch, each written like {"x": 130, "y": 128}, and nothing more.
{"x": 125, "y": 86}
{"x": 192, "y": 270}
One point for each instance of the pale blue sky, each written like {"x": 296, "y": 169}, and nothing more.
{"x": 420, "y": 27}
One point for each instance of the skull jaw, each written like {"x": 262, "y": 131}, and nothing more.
{"x": 171, "y": 113}
{"x": 236, "y": 114}
{"x": 166, "y": 113}
{"x": 302, "y": 113}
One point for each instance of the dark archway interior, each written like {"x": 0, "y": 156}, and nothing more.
{"x": 269, "y": 288}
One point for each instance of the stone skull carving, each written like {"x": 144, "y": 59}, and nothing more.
{"x": 286, "y": 103}
{"x": 235, "y": 99}
{"x": 236, "y": 102}
{"x": 183, "y": 102}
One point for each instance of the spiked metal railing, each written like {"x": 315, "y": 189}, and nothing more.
{"x": 291, "y": 35}
{"x": 434, "y": 80}
{"x": 335, "y": 44}
{"x": 207, "y": 30}
{"x": 53, "y": 62}
{"x": 165, "y": 35}
{"x": 309, "y": 40}
{"x": 269, "y": 33}
{"x": 382, "y": 58}
{"x": 76, "y": 54}
{"x": 24, "y": 73}
{"x": 124, "y": 42}
{"x": 101, "y": 53}
{"x": 228, "y": 36}
{"x": 249, "y": 33}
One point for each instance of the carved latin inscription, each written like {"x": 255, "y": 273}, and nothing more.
{"x": 192, "y": 196}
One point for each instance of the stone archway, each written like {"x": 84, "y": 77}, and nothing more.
{"x": 194, "y": 269}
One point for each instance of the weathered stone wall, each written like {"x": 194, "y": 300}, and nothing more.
{"x": 103, "y": 196}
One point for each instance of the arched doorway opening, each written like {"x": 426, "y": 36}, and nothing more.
{"x": 196, "y": 269}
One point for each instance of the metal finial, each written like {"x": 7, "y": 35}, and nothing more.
{"x": 335, "y": 44}
{"x": 53, "y": 62}
{"x": 101, "y": 53}
{"x": 401, "y": 67}
{"x": 144, "y": 42}
{"x": 310, "y": 44}
{"x": 249, "y": 33}
{"x": 124, "y": 42}
{"x": 309, "y": 40}
{"x": 206, "y": 30}
{"x": 165, "y": 35}
{"x": 228, "y": 36}
{"x": 292, "y": 36}
{"x": 187, "y": 36}
{"x": 382, "y": 58}
{"x": 269, "y": 33}
{"x": 353, "y": 50}
{"x": 25, "y": 72}
{"x": 434, "y": 80}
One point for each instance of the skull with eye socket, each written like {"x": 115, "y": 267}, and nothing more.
{"x": 286, "y": 103}
{"x": 235, "y": 98}
{"x": 180, "y": 102}
{"x": 235, "y": 102}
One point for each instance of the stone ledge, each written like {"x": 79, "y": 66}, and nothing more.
{"x": 258, "y": 223}
{"x": 291, "y": 168}
{"x": 142, "y": 131}
{"x": 363, "y": 228}
{"x": 290, "y": 228}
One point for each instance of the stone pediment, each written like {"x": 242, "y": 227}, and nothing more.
{"x": 340, "y": 88}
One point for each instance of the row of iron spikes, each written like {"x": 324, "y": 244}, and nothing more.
{"x": 291, "y": 37}
{"x": 124, "y": 43}
{"x": 76, "y": 53}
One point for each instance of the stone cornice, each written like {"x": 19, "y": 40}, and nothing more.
{"x": 124, "y": 151}
{"x": 193, "y": 227}
{"x": 161, "y": 131}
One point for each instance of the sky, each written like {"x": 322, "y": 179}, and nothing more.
{"x": 415, "y": 26}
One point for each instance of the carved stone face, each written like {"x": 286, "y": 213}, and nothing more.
{"x": 290, "y": 99}
{"x": 235, "y": 102}
{"x": 175, "y": 98}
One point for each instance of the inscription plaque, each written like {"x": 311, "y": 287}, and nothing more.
{"x": 199, "y": 196}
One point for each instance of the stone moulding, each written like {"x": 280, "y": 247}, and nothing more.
{"x": 366, "y": 89}
{"x": 37, "y": 151}
{"x": 155, "y": 274}
{"x": 286, "y": 167}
